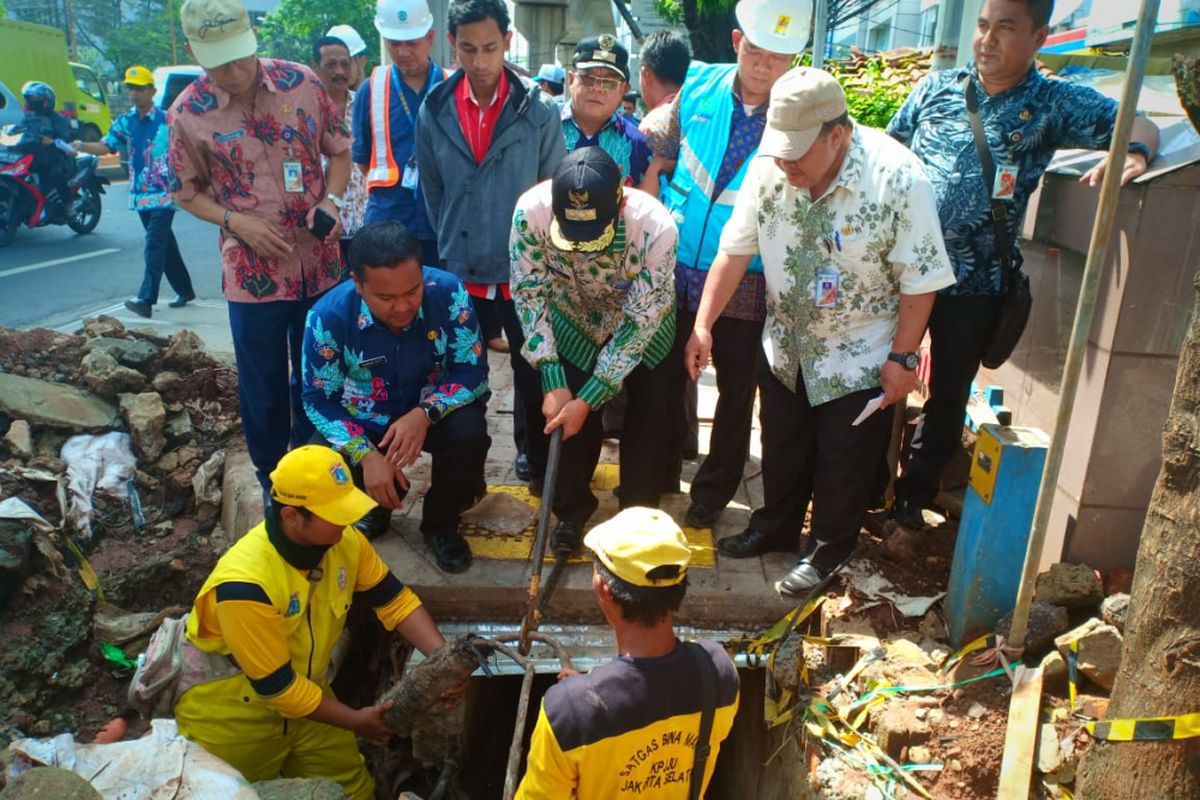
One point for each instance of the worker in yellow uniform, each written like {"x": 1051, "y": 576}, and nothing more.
{"x": 648, "y": 724}
{"x": 276, "y": 603}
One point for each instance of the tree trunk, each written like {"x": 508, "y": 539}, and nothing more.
{"x": 1160, "y": 663}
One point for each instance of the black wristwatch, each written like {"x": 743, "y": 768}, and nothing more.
{"x": 907, "y": 360}
{"x": 432, "y": 413}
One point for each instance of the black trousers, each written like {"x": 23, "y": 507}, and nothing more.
{"x": 736, "y": 354}
{"x": 499, "y": 314}
{"x": 643, "y": 456}
{"x": 959, "y": 329}
{"x": 814, "y": 453}
{"x": 459, "y": 446}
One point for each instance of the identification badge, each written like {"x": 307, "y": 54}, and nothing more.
{"x": 408, "y": 179}
{"x": 1005, "y": 185}
{"x": 372, "y": 363}
{"x": 293, "y": 176}
{"x": 827, "y": 288}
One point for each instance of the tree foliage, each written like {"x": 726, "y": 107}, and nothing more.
{"x": 290, "y": 30}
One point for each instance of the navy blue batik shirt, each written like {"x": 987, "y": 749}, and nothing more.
{"x": 1024, "y": 126}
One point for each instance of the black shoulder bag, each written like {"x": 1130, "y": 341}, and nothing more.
{"x": 708, "y": 700}
{"x": 1017, "y": 299}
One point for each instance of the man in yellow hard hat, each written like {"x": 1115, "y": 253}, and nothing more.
{"x": 275, "y": 604}
{"x": 143, "y": 130}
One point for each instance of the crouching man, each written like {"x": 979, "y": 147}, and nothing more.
{"x": 658, "y": 695}
{"x": 275, "y": 605}
{"x": 393, "y": 365}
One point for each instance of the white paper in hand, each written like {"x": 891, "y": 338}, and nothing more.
{"x": 870, "y": 408}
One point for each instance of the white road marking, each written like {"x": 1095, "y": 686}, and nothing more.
{"x": 56, "y": 261}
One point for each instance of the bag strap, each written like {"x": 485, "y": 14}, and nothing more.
{"x": 999, "y": 208}
{"x": 708, "y": 699}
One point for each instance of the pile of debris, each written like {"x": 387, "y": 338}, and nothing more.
{"x": 112, "y": 448}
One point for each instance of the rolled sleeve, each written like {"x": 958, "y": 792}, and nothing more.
{"x": 1087, "y": 118}
{"x": 918, "y": 254}
{"x": 739, "y": 237}
{"x": 335, "y": 132}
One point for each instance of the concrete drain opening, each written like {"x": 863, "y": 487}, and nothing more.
{"x": 464, "y": 754}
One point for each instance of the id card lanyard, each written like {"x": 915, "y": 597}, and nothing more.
{"x": 410, "y": 178}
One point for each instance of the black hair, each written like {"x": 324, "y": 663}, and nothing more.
{"x": 631, "y": 97}
{"x": 327, "y": 41}
{"x": 645, "y": 605}
{"x": 1040, "y": 10}
{"x": 465, "y": 12}
{"x": 275, "y": 509}
{"x": 667, "y": 54}
{"x": 553, "y": 88}
{"x": 842, "y": 121}
{"x": 383, "y": 244}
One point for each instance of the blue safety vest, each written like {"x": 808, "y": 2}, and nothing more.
{"x": 705, "y": 116}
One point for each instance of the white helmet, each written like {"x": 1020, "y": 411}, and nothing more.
{"x": 780, "y": 26}
{"x": 402, "y": 20}
{"x": 354, "y": 43}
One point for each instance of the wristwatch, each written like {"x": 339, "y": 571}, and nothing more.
{"x": 432, "y": 413}
{"x": 335, "y": 199}
{"x": 907, "y": 360}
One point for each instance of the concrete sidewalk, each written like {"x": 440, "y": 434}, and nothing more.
{"x": 723, "y": 592}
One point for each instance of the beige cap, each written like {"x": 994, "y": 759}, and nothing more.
{"x": 218, "y": 31}
{"x": 802, "y": 100}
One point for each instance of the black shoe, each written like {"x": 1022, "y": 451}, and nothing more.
{"x": 908, "y": 514}
{"x": 701, "y": 516}
{"x": 139, "y": 307}
{"x": 690, "y": 454}
{"x": 524, "y": 471}
{"x": 803, "y": 579}
{"x": 451, "y": 550}
{"x": 180, "y": 300}
{"x": 376, "y": 523}
{"x": 536, "y": 485}
{"x": 566, "y": 537}
{"x": 750, "y": 543}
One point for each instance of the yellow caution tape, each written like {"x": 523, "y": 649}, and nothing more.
{"x": 1146, "y": 729}
{"x": 86, "y": 572}
{"x": 983, "y": 641}
{"x": 1072, "y": 667}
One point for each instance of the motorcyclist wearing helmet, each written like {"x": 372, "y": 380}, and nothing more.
{"x": 46, "y": 134}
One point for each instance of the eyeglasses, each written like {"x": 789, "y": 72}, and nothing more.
{"x": 592, "y": 82}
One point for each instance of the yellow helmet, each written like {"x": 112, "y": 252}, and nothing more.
{"x": 139, "y": 76}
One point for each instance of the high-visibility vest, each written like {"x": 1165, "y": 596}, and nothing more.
{"x": 383, "y": 170}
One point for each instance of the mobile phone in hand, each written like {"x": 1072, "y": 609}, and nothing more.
{"x": 323, "y": 223}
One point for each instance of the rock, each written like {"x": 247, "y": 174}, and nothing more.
{"x": 1070, "y": 585}
{"x": 55, "y": 405}
{"x": 299, "y": 789}
{"x": 103, "y": 326}
{"x": 919, "y": 754}
{"x": 1045, "y": 622}
{"x": 933, "y": 627}
{"x": 185, "y": 457}
{"x": 903, "y": 544}
{"x": 19, "y": 438}
{"x": 1054, "y": 671}
{"x": 146, "y": 418}
{"x": 183, "y": 351}
{"x": 179, "y": 426}
{"x": 206, "y": 486}
{"x": 106, "y": 377}
{"x": 1098, "y": 653}
{"x": 904, "y": 664}
{"x": 1049, "y": 754}
{"x": 1118, "y": 581}
{"x": 896, "y": 727}
{"x": 1114, "y": 610}
{"x": 16, "y": 547}
{"x": 131, "y": 352}
{"x": 167, "y": 381}
{"x": 976, "y": 710}
{"x": 40, "y": 783}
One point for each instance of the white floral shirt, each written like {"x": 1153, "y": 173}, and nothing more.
{"x": 872, "y": 236}
{"x": 354, "y": 207}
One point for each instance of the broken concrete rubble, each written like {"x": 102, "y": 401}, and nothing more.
{"x": 103, "y": 326}
{"x": 1070, "y": 585}
{"x": 1098, "y": 651}
{"x": 107, "y": 378}
{"x": 130, "y": 352}
{"x": 1045, "y": 622}
{"x": 19, "y": 439}
{"x": 1115, "y": 610}
{"x": 184, "y": 352}
{"x": 146, "y": 418}
{"x": 54, "y": 405}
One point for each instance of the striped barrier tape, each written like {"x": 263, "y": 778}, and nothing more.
{"x": 1146, "y": 729}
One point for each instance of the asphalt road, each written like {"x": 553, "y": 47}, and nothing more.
{"x": 51, "y": 277}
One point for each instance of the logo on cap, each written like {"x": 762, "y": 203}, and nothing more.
{"x": 217, "y": 23}
{"x": 782, "y": 23}
{"x": 607, "y": 41}
{"x": 338, "y": 471}
{"x": 579, "y": 212}
{"x": 402, "y": 15}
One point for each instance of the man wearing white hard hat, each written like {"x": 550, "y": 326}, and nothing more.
{"x": 246, "y": 144}
{"x": 845, "y": 222}
{"x": 355, "y": 44}
{"x": 385, "y": 120}
{"x": 712, "y": 133}
{"x": 657, "y": 695}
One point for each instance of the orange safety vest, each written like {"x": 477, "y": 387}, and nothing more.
{"x": 383, "y": 170}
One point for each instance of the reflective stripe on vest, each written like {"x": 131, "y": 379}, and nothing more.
{"x": 383, "y": 170}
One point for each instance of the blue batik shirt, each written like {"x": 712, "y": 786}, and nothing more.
{"x": 619, "y": 137}
{"x": 1024, "y": 126}
{"x": 146, "y": 138}
{"x": 359, "y": 376}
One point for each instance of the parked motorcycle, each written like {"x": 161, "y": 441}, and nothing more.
{"x": 22, "y": 199}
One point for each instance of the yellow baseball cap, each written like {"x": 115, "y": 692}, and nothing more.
{"x": 139, "y": 76}
{"x": 638, "y": 540}
{"x": 318, "y": 479}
